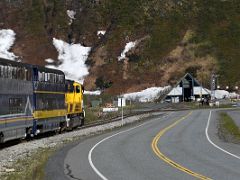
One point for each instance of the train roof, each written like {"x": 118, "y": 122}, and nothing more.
{"x": 48, "y": 70}
{"x": 20, "y": 64}
{"x": 13, "y": 63}
{"x": 72, "y": 81}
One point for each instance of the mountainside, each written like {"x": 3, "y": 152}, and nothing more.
{"x": 171, "y": 37}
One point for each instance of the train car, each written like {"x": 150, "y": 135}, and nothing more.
{"x": 16, "y": 99}
{"x": 36, "y": 100}
{"x": 48, "y": 100}
{"x": 74, "y": 104}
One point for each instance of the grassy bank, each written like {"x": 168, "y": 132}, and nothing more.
{"x": 31, "y": 167}
{"x": 228, "y": 130}
{"x": 96, "y": 113}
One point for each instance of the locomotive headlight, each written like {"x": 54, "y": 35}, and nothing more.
{"x": 84, "y": 114}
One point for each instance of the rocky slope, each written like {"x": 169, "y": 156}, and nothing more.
{"x": 173, "y": 37}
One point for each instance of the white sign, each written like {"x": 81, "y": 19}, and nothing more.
{"x": 110, "y": 109}
{"x": 121, "y": 102}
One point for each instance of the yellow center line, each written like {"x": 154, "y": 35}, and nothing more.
{"x": 157, "y": 151}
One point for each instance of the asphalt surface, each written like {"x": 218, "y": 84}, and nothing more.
{"x": 130, "y": 155}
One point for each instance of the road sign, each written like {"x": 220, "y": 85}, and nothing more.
{"x": 121, "y": 102}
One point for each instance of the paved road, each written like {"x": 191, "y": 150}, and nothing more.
{"x": 171, "y": 147}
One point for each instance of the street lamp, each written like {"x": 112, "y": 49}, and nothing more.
{"x": 218, "y": 87}
{"x": 227, "y": 87}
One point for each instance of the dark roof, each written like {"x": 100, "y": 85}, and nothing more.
{"x": 8, "y": 62}
{"x": 188, "y": 74}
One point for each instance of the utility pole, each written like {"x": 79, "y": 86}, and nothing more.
{"x": 122, "y": 109}
{"x": 120, "y": 104}
{"x": 213, "y": 85}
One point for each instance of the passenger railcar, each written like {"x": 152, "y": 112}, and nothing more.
{"x": 35, "y": 100}
{"x": 48, "y": 100}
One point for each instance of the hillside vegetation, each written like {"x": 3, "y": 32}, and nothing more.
{"x": 175, "y": 37}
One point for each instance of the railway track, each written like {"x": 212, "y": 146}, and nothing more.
{"x": 92, "y": 124}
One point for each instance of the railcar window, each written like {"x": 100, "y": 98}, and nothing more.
{"x": 46, "y": 77}
{"x": 19, "y": 73}
{"x": 5, "y": 72}
{"x": 25, "y": 74}
{"x": 40, "y": 76}
{"x": 43, "y": 76}
{"x": 29, "y": 75}
{"x": 57, "y": 78}
{"x": 22, "y": 72}
{"x": 14, "y": 72}
{"x": 9, "y": 72}
{"x": 51, "y": 78}
{"x": 0, "y": 71}
{"x": 61, "y": 78}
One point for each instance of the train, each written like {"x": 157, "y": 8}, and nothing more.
{"x": 35, "y": 100}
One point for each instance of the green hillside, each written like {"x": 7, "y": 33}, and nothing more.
{"x": 216, "y": 22}
{"x": 177, "y": 36}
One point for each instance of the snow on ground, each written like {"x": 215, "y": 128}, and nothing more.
{"x": 71, "y": 14}
{"x": 220, "y": 94}
{"x": 7, "y": 38}
{"x": 72, "y": 58}
{"x": 101, "y": 33}
{"x": 96, "y": 93}
{"x": 49, "y": 60}
{"x": 127, "y": 48}
{"x": 234, "y": 95}
{"x": 147, "y": 95}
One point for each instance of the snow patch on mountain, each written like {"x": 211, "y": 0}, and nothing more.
{"x": 72, "y": 59}
{"x": 7, "y": 38}
{"x": 71, "y": 14}
{"x": 101, "y": 33}
{"x": 127, "y": 48}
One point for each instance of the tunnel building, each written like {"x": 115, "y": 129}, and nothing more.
{"x": 187, "y": 89}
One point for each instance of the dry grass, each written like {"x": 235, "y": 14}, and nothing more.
{"x": 228, "y": 130}
{"x": 31, "y": 167}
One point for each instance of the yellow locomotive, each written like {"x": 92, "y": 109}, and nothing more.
{"x": 74, "y": 104}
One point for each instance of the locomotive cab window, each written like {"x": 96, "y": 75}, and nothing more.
{"x": 78, "y": 89}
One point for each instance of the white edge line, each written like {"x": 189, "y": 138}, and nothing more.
{"x": 206, "y": 132}
{"x": 109, "y": 137}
